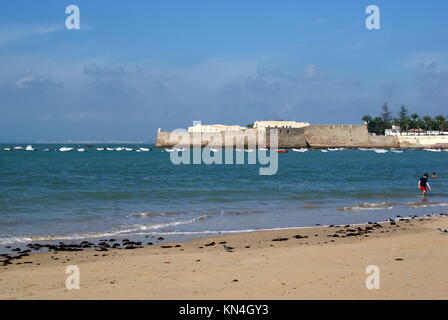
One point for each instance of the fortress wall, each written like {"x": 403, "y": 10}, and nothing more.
{"x": 415, "y": 142}
{"x": 238, "y": 139}
{"x": 317, "y": 136}
{"x": 384, "y": 142}
{"x": 334, "y": 136}
{"x": 291, "y": 138}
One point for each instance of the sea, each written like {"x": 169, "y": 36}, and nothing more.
{"x": 71, "y": 196}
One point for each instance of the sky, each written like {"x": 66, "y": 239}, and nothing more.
{"x": 136, "y": 66}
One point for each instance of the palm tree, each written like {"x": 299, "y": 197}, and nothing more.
{"x": 367, "y": 119}
{"x": 427, "y": 122}
{"x": 441, "y": 121}
{"x": 414, "y": 118}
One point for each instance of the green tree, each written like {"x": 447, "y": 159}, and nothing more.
{"x": 441, "y": 122}
{"x": 386, "y": 114}
{"x": 378, "y": 126}
{"x": 427, "y": 123}
{"x": 367, "y": 118}
{"x": 414, "y": 123}
{"x": 403, "y": 117}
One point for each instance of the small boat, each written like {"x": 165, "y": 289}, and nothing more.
{"x": 29, "y": 148}
{"x": 380, "y": 151}
{"x": 18, "y": 148}
{"x": 238, "y": 150}
{"x": 249, "y": 150}
{"x": 81, "y": 150}
{"x": 119, "y": 149}
{"x": 363, "y": 149}
{"x": 324, "y": 150}
{"x": 145, "y": 149}
{"x": 299, "y": 150}
{"x": 46, "y": 150}
{"x": 263, "y": 149}
{"x": 7, "y": 149}
{"x": 166, "y": 149}
{"x": 434, "y": 150}
{"x": 333, "y": 149}
{"x": 214, "y": 150}
{"x": 100, "y": 149}
{"x": 179, "y": 149}
{"x": 282, "y": 151}
{"x": 65, "y": 149}
{"x": 129, "y": 149}
{"x": 110, "y": 149}
{"x": 138, "y": 150}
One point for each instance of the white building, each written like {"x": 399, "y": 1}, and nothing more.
{"x": 214, "y": 128}
{"x": 280, "y": 124}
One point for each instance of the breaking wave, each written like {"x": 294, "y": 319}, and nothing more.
{"x": 129, "y": 230}
{"x": 369, "y": 206}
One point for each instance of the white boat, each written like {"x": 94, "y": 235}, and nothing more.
{"x": 100, "y": 149}
{"x": 380, "y": 151}
{"x": 7, "y": 149}
{"x": 396, "y": 150}
{"x": 119, "y": 149}
{"x": 166, "y": 149}
{"x": 18, "y": 148}
{"x": 179, "y": 149}
{"x": 129, "y": 149}
{"x": 81, "y": 150}
{"x": 323, "y": 150}
{"x": 333, "y": 149}
{"x": 138, "y": 150}
{"x": 65, "y": 149}
{"x": 299, "y": 150}
{"x": 363, "y": 149}
{"x": 239, "y": 150}
{"x": 249, "y": 150}
{"x": 29, "y": 148}
{"x": 145, "y": 149}
{"x": 110, "y": 149}
{"x": 434, "y": 150}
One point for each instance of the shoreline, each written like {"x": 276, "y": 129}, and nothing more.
{"x": 176, "y": 236}
{"x": 326, "y": 262}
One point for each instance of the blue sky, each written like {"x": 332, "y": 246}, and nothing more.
{"x": 136, "y": 66}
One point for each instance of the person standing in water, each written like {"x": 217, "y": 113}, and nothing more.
{"x": 423, "y": 183}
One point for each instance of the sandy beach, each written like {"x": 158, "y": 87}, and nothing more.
{"x": 313, "y": 263}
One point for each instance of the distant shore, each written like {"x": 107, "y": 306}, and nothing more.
{"x": 311, "y": 263}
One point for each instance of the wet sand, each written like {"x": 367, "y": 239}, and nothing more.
{"x": 312, "y": 263}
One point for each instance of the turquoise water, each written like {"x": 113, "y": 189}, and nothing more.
{"x": 74, "y": 195}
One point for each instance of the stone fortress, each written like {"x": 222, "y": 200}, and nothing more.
{"x": 293, "y": 134}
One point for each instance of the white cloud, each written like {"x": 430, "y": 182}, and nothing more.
{"x": 38, "y": 81}
{"x": 17, "y": 32}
